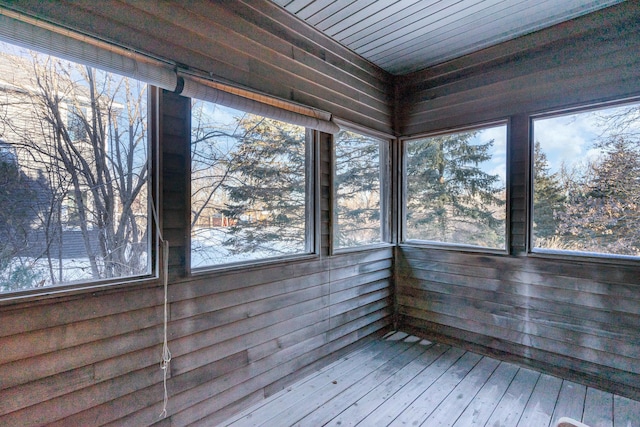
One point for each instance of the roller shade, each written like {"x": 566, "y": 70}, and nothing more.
{"x": 38, "y": 35}
{"x": 32, "y": 33}
{"x": 251, "y": 102}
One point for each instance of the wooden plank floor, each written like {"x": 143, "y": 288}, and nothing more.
{"x": 402, "y": 380}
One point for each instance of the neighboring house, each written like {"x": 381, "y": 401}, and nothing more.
{"x": 7, "y": 153}
{"x": 48, "y": 126}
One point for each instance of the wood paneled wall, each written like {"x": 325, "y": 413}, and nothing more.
{"x": 253, "y": 43}
{"x": 574, "y": 317}
{"x": 236, "y": 337}
{"x": 93, "y": 358}
{"x": 587, "y": 59}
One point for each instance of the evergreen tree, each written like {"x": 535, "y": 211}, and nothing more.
{"x": 548, "y": 198}
{"x": 19, "y": 202}
{"x": 266, "y": 188}
{"x": 357, "y": 183}
{"x": 450, "y": 198}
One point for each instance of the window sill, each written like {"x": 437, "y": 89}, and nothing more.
{"x": 71, "y": 291}
{"x": 363, "y": 248}
{"x": 585, "y": 257}
{"x": 252, "y": 264}
{"x": 453, "y": 247}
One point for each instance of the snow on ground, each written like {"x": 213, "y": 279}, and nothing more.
{"x": 208, "y": 248}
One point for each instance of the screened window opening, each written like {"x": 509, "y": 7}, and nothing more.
{"x": 586, "y": 182}
{"x": 250, "y": 186}
{"x": 455, "y": 188}
{"x": 74, "y": 173}
{"x": 360, "y": 167}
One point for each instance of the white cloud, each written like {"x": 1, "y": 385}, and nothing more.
{"x": 593, "y": 154}
{"x": 499, "y": 136}
{"x": 571, "y": 138}
{"x": 501, "y": 171}
{"x": 497, "y": 164}
{"x": 566, "y": 138}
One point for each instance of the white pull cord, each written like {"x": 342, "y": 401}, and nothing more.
{"x": 164, "y": 272}
{"x": 166, "y": 354}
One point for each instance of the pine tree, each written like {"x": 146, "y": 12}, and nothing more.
{"x": 450, "y": 198}
{"x": 357, "y": 183}
{"x": 548, "y": 198}
{"x": 19, "y": 196}
{"x": 266, "y": 188}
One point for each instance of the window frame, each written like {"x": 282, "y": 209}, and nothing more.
{"x": 150, "y": 279}
{"x": 51, "y": 39}
{"x": 559, "y": 254}
{"x": 455, "y": 247}
{"x": 77, "y": 133}
{"x": 386, "y": 191}
{"x": 312, "y": 214}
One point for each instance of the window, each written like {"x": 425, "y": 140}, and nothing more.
{"x": 586, "y": 182}
{"x": 360, "y": 167}
{"x": 75, "y": 208}
{"x": 7, "y": 153}
{"x": 74, "y": 191}
{"x": 455, "y": 188}
{"x": 76, "y": 119}
{"x": 250, "y": 187}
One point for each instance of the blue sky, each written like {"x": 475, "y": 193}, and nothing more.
{"x": 571, "y": 138}
{"x": 497, "y": 164}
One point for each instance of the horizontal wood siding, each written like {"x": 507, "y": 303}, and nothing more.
{"x": 583, "y": 60}
{"x": 253, "y": 43}
{"x": 94, "y": 360}
{"x": 235, "y": 337}
{"x": 239, "y": 336}
{"x": 575, "y": 318}
{"x": 572, "y": 318}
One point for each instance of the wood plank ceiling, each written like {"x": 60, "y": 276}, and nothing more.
{"x": 402, "y": 36}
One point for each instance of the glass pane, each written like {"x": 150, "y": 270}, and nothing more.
{"x": 248, "y": 186}
{"x": 357, "y": 190}
{"x": 455, "y": 188}
{"x": 586, "y": 184}
{"x": 73, "y": 173}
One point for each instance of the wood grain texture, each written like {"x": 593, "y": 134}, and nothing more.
{"x": 574, "y": 317}
{"x": 250, "y": 43}
{"x": 586, "y": 59}
{"x": 513, "y": 402}
{"x": 403, "y": 380}
{"x": 625, "y": 411}
{"x": 456, "y": 402}
{"x": 570, "y": 402}
{"x": 485, "y": 402}
{"x": 598, "y": 408}
{"x": 542, "y": 402}
{"x": 326, "y": 411}
{"x": 236, "y": 336}
{"x": 241, "y": 335}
